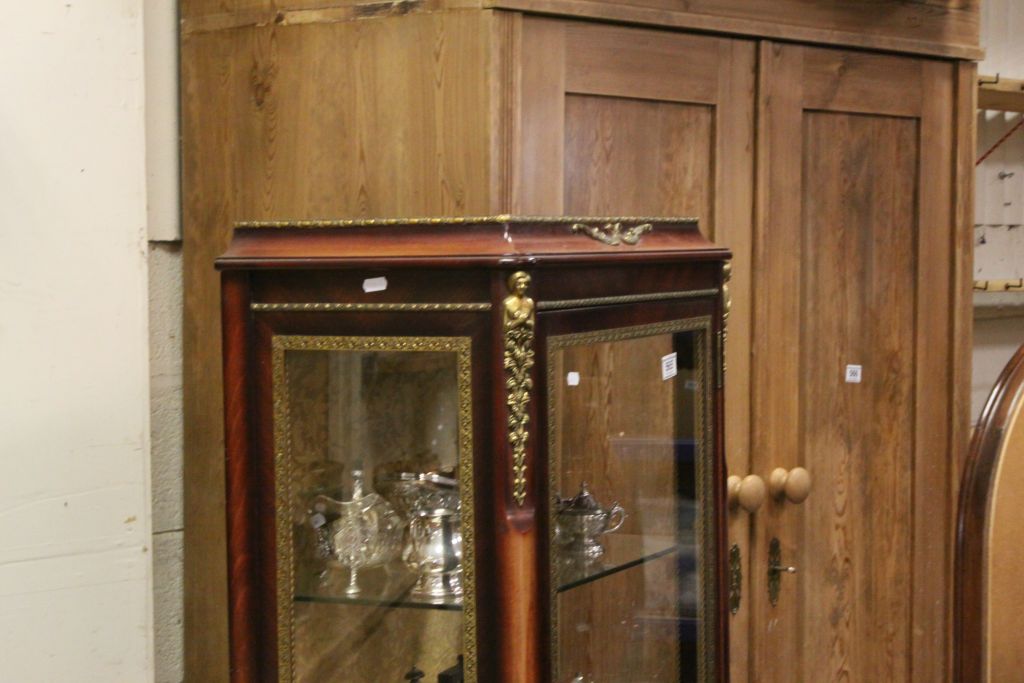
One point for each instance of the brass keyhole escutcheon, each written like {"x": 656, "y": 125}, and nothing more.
{"x": 775, "y": 571}
{"x": 735, "y": 579}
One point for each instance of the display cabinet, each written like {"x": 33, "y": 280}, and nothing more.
{"x": 475, "y": 450}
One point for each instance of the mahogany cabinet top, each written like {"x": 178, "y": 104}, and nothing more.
{"x": 488, "y": 242}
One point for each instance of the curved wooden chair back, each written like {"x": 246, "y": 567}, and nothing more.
{"x": 989, "y": 642}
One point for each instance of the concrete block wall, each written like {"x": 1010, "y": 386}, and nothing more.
{"x": 166, "y": 434}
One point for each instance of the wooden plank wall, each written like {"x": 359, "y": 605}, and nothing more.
{"x": 378, "y": 117}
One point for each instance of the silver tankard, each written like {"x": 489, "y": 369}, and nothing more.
{"x": 430, "y": 501}
{"x": 435, "y": 552}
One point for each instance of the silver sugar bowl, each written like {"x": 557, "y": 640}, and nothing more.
{"x": 580, "y": 522}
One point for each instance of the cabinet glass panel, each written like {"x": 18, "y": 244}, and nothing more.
{"x": 374, "y": 508}
{"x": 632, "y": 536}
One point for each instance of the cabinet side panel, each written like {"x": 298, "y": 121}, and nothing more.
{"x": 380, "y": 117}
{"x": 963, "y": 251}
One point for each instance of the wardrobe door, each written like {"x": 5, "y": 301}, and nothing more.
{"x": 856, "y": 378}
{"x": 616, "y": 121}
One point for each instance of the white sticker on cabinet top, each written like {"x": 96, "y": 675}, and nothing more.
{"x": 573, "y": 379}
{"x": 668, "y": 366}
{"x": 853, "y": 374}
{"x": 375, "y": 284}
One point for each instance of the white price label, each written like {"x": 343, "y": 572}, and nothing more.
{"x": 573, "y": 379}
{"x": 853, "y": 374}
{"x": 375, "y": 284}
{"x": 668, "y": 366}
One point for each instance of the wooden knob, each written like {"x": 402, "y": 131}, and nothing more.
{"x": 747, "y": 493}
{"x": 794, "y": 485}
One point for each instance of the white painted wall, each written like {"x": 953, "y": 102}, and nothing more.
{"x": 75, "y": 569}
{"x": 999, "y": 205}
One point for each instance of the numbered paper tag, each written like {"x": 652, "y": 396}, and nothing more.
{"x": 573, "y": 379}
{"x": 668, "y": 366}
{"x": 375, "y": 284}
{"x": 853, "y": 374}
{"x": 317, "y": 520}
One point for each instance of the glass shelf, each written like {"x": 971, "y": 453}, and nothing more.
{"x": 392, "y": 585}
{"x": 621, "y": 552}
{"x": 388, "y": 586}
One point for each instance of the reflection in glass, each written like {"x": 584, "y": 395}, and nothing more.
{"x": 373, "y": 440}
{"x": 626, "y": 422}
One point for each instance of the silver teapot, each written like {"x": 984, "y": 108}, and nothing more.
{"x": 580, "y": 521}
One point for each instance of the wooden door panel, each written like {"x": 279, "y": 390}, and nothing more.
{"x": 637, "y": 157}
{"x": 859, "y": 199}
{"x": 623, "y": 121}
{"x": 855, "y": 227}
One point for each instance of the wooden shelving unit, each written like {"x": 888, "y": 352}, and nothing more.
{"x": 1002, "y": 94}
{"x": 998, "y": 298}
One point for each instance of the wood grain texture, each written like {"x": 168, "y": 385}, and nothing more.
{"x": 858, "y": 234}
{"x": 629, "y": 129}
{"x": 855, "y": 260}
{"x": 965, "y": 126}
{"x": 615, "y": 431}
{"x": 605, "y": 400}
{"x": 663, "y": 148}
{"x": 936, "y": 453}
{"x": 939, "y": 27}
{"x": 372, "y": 118}
{"x": 942, "y": 29}
{"x": 325, "y": 635}
{"x": 776, "y": 345}
{"x": 539, "y": 111}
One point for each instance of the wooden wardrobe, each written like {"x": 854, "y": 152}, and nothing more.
{"x": 829, "y": 144}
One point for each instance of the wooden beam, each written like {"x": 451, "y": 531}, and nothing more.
{"x": 1003, "y": 94}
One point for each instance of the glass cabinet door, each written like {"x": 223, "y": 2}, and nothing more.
{"x": 373, "y": 465}
{"x": 632, "y": 538}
